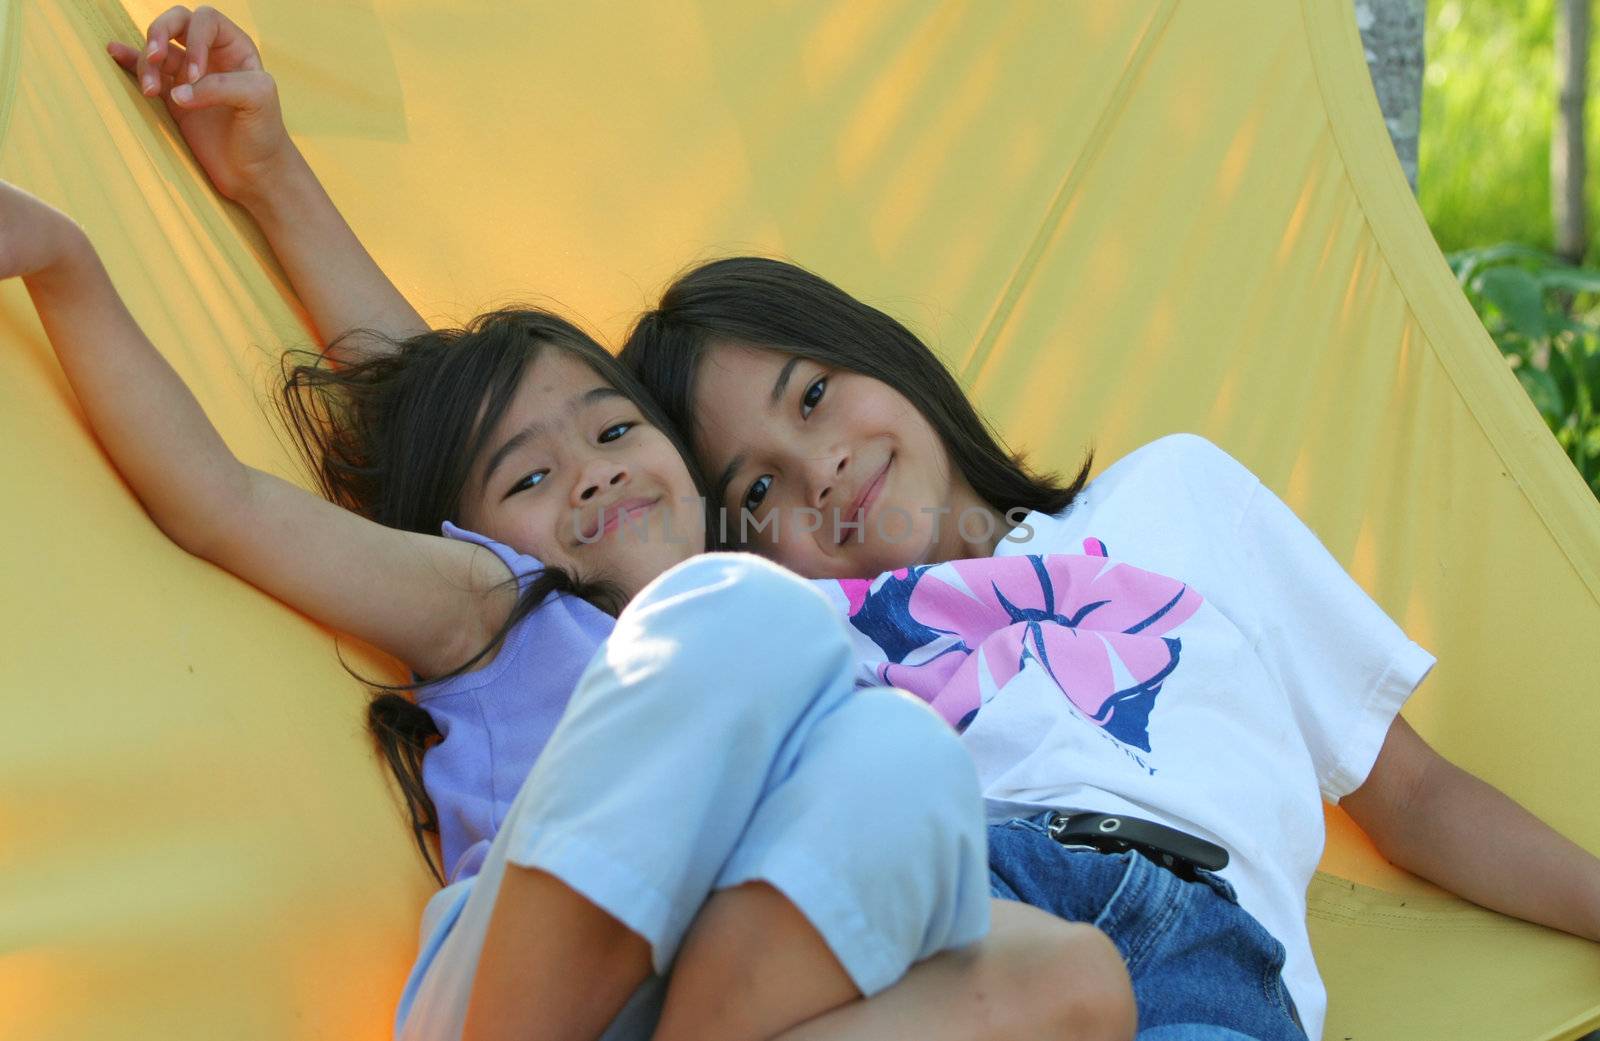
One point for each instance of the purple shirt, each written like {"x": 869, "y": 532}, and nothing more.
{"x": 497, "y": 719}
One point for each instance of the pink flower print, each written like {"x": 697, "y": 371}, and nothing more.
{"x": 1097, "y": 629}
{"x": 855, "y": 592}
{"x": 856, "y": 589}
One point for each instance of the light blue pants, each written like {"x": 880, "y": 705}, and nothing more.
{"x": 714, "y": 740}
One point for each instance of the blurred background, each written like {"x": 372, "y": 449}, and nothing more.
{"x": 1487, "y": 102}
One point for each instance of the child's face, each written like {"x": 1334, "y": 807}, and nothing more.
{"x": 574, "y": 475}
{"x": 788, "y": 436}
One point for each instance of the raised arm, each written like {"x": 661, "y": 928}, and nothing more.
{"x": 1438, "y": 821}
{"x": 209, "y": 73}
{"x": 428, "y": 600}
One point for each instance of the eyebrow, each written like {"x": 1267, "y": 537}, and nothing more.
{"x": 783, "y": 381}
{"x": 726, "y": 478}
{"x": 538, "y": 427}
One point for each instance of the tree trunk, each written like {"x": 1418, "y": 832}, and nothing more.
{"x": 1391, "y": 31}
{"x": 1567, "y": 157}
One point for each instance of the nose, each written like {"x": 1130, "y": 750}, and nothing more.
{"x": 822, "y": 477}
{"x": 595, "y": 477}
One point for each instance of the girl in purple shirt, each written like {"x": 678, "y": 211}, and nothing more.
{"x": 526, "y": 432}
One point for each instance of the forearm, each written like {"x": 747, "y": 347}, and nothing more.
{"x": 1469, "y": 837}
{"x": 140, "y": 410}
{"x": 336, "y": 279}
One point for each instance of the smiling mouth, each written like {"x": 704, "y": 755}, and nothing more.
{"x": 610, "y": 518}
{"x": 869, "y": 496}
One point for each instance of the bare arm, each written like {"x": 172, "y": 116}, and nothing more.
{"x": 1438, "y": 821}
{"x": 210, "y": 76}
{"x": 338, "y": 282}
{"x": 428, "y": 600}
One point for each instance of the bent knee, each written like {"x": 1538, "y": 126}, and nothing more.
{"x": 914, "y": 751}
{"x": 740, "y": 594}
{"x": 737, "y": 625}
{"x": 1077, "y": 979}
{"x": 897, "y": 756}
{"x": 728, "y": 578}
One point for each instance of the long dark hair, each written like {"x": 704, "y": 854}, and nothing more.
{"x": 770, "y": 303}
{"x": 393, "y": 435}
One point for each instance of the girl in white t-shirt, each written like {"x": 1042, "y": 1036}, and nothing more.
{"x": 435, "y": 602}
{"x": 1200, "y": 660}
{"x": 635, "y": 879}
{"x": 804, "y": 402}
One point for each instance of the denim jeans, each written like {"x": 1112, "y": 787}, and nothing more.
{"x": 1203, "y": 969}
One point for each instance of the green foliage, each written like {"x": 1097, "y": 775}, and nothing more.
{"x": 1488, "y": 105}
{"x": 1545, "y": 317}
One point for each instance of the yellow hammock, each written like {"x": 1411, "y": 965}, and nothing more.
{"x": 1117, "y": 220}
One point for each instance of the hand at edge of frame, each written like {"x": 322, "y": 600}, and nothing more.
{"x": 208, "y": 72}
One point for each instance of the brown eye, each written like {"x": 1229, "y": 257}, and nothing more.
{"x": 757, "y": 492}
{"x": 531, "y": 481}
{"x": 813, "y": 396}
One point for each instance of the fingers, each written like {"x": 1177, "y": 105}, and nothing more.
{"x": 123, "y": 55}
{"x": 156, "y": 76}
{"x": 151, "y": 59}
{"x": 214, "y": 41}
{"x": 150, "y": 70}
{"x": 129, "y": 59}
{"x": 202, "y": 35}
{"x": 198, "y": 40}
{"x": 143, "y": 74}
{"x": 171, "y": 66}
{"x": 172, "y": 23}
{"x": 242, "y": 91}
{"x": 174, "y": 74}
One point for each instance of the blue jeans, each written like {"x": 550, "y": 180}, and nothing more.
{"x": 1203, "y": 969}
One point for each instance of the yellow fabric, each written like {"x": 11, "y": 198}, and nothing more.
{"x": 1116, "y": 220}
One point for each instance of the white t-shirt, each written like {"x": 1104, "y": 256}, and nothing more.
{"x": 1223, "y": 700}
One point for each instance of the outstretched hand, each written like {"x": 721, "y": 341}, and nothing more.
{"x": 34, "y": 236}
{"x": 208, "y": 72}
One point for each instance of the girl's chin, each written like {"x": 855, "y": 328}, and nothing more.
{"x": 886, "y": 558}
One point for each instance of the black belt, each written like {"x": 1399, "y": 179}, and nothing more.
{"x": 1177, "y": 851}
